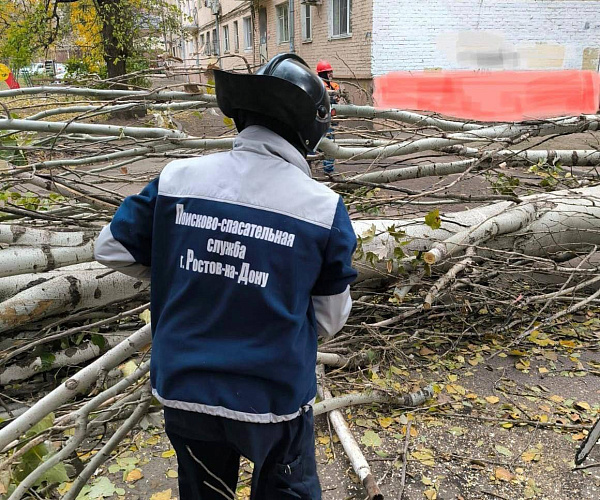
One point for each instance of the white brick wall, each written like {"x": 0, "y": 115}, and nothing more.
{"x": 529, "y": 34}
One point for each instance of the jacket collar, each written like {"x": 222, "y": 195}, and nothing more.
{"x": 263, "y": 141}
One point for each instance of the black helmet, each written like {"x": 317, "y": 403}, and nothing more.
{"x": 284, "y": 89}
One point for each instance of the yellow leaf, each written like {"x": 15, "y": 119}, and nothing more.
{"x": 452, "y": 377}
{"x": 543, "y": 418}
{"x": 145, "y": 316}
{"x": 582, "y": 405}
{"x": 456, "y": 389}
{"x": 430, "y": 494}
{"x": 134, "y": 475}
{"x": 531, "y": 456}
{"x": 556, "y": 398}
{"x": 168, "y": 453}
{"x": 503, "y": 475}
{"x": 471, "y": 395}
{"x": 62, "y": 488}
{"x": 578, "y": 437}
{"x": 568, "y": 343}
{"x": 152, "y": 441}
{"x": 385, "y": 422}
{"x": 162, "y": 495}
{"x": 172, "y": 473}
{"x": 492, "y": 399}
{"x": 425, "y": 456}
{"x": 324, "y": 440}
{"x": 516, "y": 352}
{"x": 507, "y": 425}
{"x": 541, "y": 369}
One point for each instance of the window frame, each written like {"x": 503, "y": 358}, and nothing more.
{"x": 216, "y": 43}
{"x": 226, "y": 46}
{"x": 248, "y": 34}
{"x": 340, "y": 34}
{"x": 282, "y": 13}
{"x": 306, "y": 14}
{"x": 236, "y": 36}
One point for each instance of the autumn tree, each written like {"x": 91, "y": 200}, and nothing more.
{"x": 108, "y": 33}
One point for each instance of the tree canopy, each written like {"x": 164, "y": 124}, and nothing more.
{"x": 105, "y": 35}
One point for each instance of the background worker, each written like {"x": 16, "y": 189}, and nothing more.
{"x": 325, "y": 72}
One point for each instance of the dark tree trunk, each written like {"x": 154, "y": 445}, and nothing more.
{"x": 116, "y": 46}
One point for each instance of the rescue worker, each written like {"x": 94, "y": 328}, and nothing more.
{"x": 250, "y": 261}
{"x": 325, "y": 72}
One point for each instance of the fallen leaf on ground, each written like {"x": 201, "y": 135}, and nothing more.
{"x": 503, "y": 475}
{"x": 385, "y": 422}
{"x": 162, "y": 495}
{"x": 503, "y": 450}
{"x": 425, "y": 456}
{"x": 430, "y": 494}
{"x": 370, "y": 438}
{"x": 134, "y": 475}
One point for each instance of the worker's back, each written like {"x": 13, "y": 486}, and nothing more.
{"x": 239, "y": 240}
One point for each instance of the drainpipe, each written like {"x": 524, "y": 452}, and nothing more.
{"x": 218, "y": 42}
{"x": 292, "y": 25}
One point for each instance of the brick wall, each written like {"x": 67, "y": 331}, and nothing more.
{"x": 485, "y": 34}
{"x": 231, "y": 11}
{"x": 349, "y": 56}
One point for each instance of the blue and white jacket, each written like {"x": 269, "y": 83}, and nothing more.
{"x": 250, "y": 260}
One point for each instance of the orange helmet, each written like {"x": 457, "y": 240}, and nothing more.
{"x": 323, "y": 66}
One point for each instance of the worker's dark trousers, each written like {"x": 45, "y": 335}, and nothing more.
{"x": 283, "y": 456}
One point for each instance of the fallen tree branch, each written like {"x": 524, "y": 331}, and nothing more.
{"x": 447, "y": 279}
{"x": 357, "y": 459}
{"x": 407, "y": 400}
{"x": 76, "y": 384}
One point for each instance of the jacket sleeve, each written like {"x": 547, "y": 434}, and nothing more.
{"x": 331, "y": 293}
{"x": 125, "y": 245}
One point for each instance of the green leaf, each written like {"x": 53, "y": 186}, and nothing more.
{"x": 57, "y": 474}
{"x": 98, "y": 340}
{"x": 47, "y": 360}
{"x": 370, "y": 438}
{"x": 42, "y": 425}
{"x": 102, "y": 488}
{"x": 503, "y": 450}
{"x": 433, "y": 220}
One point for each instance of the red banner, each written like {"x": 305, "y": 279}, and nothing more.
{"x": 491, "y": 96}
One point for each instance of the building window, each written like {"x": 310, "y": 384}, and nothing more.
{"x": 306, "y": 14}
{"x": 202, "y": 46}
{"x": 340, "y": 18}
{"x": 248, "y": 33}
{"x": 283, "y": 23}
{"x": 226, "y": 38}
{"x": 216, "y": 49}
{"x": 236, "y": 37}
{"x": 207, "y": 46}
